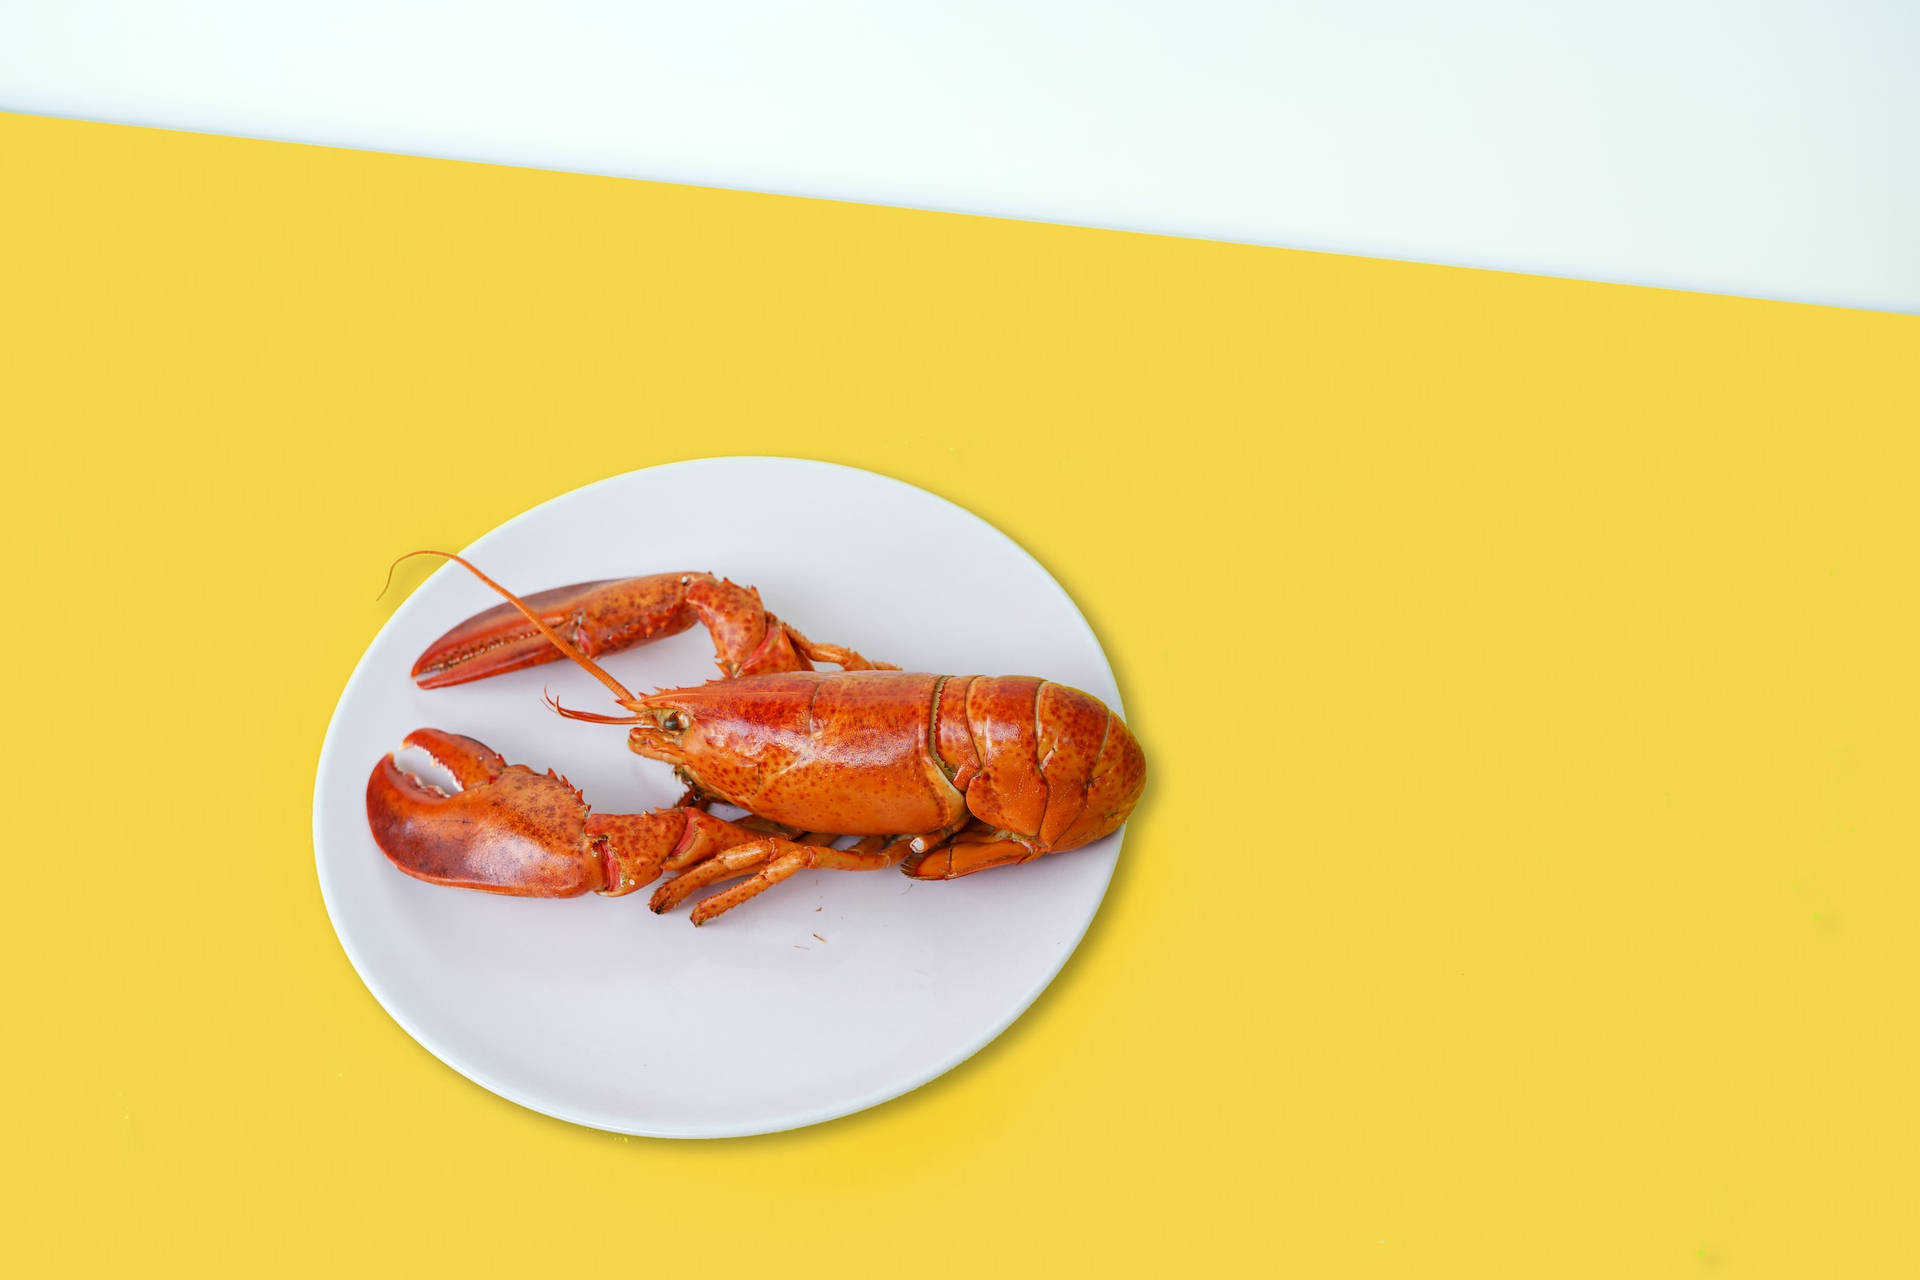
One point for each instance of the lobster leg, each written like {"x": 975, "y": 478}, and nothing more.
{"x": 611, "y": 614}
{"x": 975, "y": 849}
{"x": 775, "y": 859}
{"x": 510, "y": 830}
{"x": 844, "y": 658}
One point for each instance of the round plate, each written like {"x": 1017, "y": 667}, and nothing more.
{"x": 829, "y": 993}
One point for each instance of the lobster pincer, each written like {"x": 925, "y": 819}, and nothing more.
{"x": 508, "y": 829}
{"x": 612, "y": 614}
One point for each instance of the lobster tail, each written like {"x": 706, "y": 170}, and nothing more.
{"x": 1045, "y": 768}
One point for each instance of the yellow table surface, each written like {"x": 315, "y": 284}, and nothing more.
{"x": 1527, "y": 880}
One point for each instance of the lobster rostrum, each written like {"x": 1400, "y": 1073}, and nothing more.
{"x": 940, "y": 775}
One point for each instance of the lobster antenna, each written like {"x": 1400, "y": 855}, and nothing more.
{"x": 560, "y": 642}
{"x": 594, "y": 717}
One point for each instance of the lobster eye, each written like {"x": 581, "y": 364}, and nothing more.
{"x": 676, "y": 722}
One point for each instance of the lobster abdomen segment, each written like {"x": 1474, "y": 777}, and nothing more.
{"x": 1110, "y": 776}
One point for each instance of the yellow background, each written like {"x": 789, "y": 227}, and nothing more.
{"x": 1526, "y": 885}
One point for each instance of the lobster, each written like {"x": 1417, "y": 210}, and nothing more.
{"x": 943, "y": 776}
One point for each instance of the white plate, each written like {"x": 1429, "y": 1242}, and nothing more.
{"x": 595, "y": 1010}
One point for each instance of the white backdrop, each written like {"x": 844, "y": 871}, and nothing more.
{"x": 1767, "y": 148}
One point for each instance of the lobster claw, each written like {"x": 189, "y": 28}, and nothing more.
{"x": 507, "y": 830}
{"x": 511, "y": 830}
{"x": 596, "y": 617}
{"x": 611, "y": 614}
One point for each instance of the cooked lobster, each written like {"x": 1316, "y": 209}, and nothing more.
{"x": 941, "y": 775}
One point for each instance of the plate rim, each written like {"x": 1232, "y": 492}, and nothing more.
{"x": 480, "y": 1075}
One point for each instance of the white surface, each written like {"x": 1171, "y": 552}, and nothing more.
{"x": 1769, "y": 148}
{"x": 597, "y": 1011}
